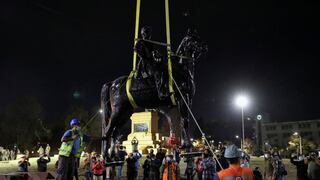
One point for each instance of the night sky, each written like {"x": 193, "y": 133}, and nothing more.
{"x": 267, "y": 49}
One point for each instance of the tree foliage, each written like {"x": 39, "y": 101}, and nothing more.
{"x": 248, "y": 145}
{"x": 307, "y": 145}
{"x": 22, "y": 122}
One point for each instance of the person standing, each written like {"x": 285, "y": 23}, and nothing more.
{"x": 235, "y": 171}
{"x": 245, "y": 160}
{"x": 42, "y": 163}
{"x": 48, "y": 149}
{"x": 69, "y": 149}
{"x": 26, "y": 152}
{"x": 15, "y": 149}
{"x": 278, "y": 166}
{"x": 314, "y": 167}
{"x": 11, "y": 155}
{"x": 160, "y": 154}
{"x": 137, "y": 156}
{"x": 208, "y": 166}
{"x": 121, "y": 157}
{"x": 302, "y": 166}
{"x": 176, "y": 154}
{"x": 268, "y": 167}
{"x": 87, "y": 168}
{"x": 97, "y": 169}
{"x": 223, "y": 161}
{"x": 131, "y": 167}
{"x": 40, "y": 151}
{"x": 23, "y": 164}
{"x": 198, "y": 167}
{"x": 169, "y": 169}
{"x": 155, "y": 164}
{"x": 257, "y": 174}
{"x": 146, "y": 168}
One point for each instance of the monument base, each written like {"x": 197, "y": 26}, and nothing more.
{"x": 144, "y": 127}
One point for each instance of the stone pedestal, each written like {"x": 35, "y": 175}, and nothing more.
{"x": 144, "y": 126}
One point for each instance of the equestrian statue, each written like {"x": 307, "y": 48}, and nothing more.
{"x": 149, "y": 86}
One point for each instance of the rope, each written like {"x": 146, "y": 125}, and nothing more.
{"x": 203, "y": 135}
{"x": 89, "y": 121}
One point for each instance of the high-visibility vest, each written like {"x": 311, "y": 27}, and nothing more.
{"x": 166, "y": 173}
{"x": 66, "y": 147}
{"x": 235, "y": 172}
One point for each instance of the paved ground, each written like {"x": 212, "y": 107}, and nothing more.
{"x": 11, "y": 166}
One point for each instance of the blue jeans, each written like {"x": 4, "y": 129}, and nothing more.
{"x": 88, "y": 175}
{"x": 119, "y": 172}
{"x": 280, "y": 178}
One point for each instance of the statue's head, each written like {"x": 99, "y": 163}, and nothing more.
{"x": 146, "y": 32}
{"x": 192, "y": 32}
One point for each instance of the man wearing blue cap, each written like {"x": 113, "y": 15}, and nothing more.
{"x": 70, "y": 149}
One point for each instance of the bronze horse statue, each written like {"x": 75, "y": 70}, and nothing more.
{"x": 116, "y": 105}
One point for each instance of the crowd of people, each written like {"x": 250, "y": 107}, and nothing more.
{"x": 42, "y": 161}
{"x": 229, "y": 163}
{"x": 308, "y": 165}
{"x": 8, "y": 154}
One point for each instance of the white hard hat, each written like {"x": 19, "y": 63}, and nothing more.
{"x": 232, "y": 152}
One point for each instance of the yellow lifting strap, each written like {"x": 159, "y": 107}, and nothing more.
{"x": 169, "y": 53}
{"x": 136, "y": 32}
{"x": 128, "y": 84}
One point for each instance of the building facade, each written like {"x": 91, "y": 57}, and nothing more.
{"x": 278, "y": 133}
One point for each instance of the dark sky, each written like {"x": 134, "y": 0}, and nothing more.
{"x": 268, "y": 49}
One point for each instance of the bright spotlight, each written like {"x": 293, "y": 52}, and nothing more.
{"x": 242, "y": 101}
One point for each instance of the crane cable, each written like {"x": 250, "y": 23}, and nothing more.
{"x": 195, "y": 120}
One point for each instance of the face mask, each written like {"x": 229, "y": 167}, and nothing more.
{"x": 300, "y": 158}
{"x": 78, "y": 128}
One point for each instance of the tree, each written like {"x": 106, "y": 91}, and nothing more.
{"x": 248, "y": 145}
{"x": 77, "y": 112}
{"x": 294, "y": 143}
{"x": 90, "y": 124}
{"x": 22, "y": 122}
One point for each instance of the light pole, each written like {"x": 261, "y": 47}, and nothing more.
{"x": 238, "y": 137}
{"x": 242, "y": 101}
{"x": 300, "y": 142}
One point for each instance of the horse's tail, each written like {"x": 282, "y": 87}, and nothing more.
{"x": 105, "y": 101}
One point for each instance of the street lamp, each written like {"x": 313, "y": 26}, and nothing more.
{"x": 242, "y": 101}
{"x": 300, "y": 141}
{"x": 238, "y": 137}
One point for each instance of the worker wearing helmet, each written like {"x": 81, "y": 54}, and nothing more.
{"x": 232, "y": 154}
{"x": 70, "y": 149}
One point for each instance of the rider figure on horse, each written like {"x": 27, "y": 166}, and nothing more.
{"x": 150, "y": 62}
{"x": 185, "y": 45}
